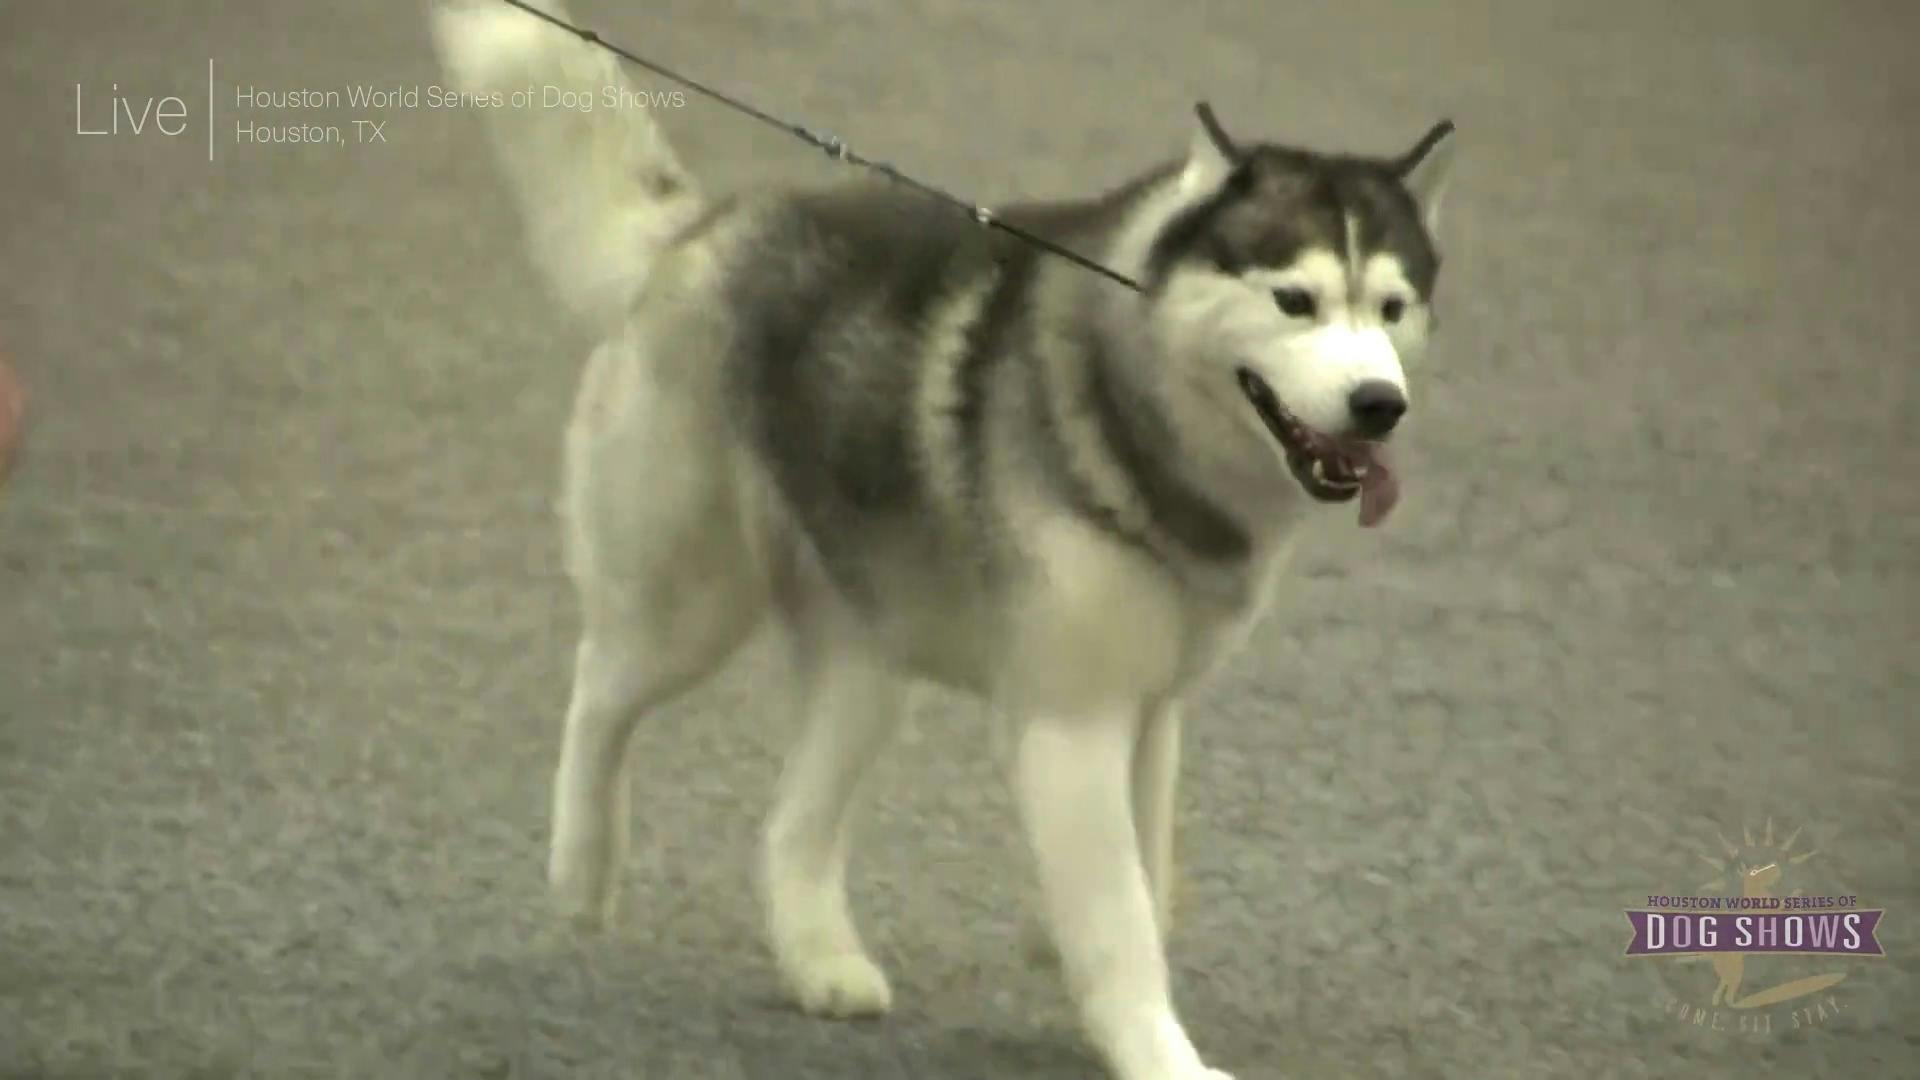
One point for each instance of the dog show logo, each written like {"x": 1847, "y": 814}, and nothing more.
{"x": 1777, "y": 953}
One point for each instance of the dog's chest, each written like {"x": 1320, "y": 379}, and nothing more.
{"x": 1106, "y": 620}
{"x": 1221, "y": 611}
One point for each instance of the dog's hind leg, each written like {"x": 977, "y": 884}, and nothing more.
{"x": 850, "y": 703}
{"x": 621, "y": 672}
{"x": 669, "y": 584}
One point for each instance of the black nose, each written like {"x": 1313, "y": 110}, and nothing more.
{"x": 1376, "y": 405}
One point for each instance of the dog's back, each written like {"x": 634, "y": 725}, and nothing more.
{"x": 869, "y": 324}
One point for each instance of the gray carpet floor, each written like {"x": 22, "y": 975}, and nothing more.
{"x": 284, "y": 638}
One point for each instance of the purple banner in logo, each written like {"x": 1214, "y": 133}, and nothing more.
{"x": 1837, "y": 933}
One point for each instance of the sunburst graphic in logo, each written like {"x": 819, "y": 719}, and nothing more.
{"x": 1755, "y": 871}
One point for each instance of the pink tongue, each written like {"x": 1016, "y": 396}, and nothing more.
{"x": 1378, "y": 492}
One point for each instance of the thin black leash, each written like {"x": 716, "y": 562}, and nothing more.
{"x": 835, "y": 148}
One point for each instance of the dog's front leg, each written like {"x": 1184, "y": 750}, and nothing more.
{"x": 1073, "y": 778}
{"x": 1156, "y": 781}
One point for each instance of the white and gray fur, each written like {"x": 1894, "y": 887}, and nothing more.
{"x": 931, "y": 452}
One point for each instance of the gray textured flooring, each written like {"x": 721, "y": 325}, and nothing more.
{"x": 283, "y": 639}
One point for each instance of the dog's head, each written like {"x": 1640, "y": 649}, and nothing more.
{"x": 1292, "y": 289}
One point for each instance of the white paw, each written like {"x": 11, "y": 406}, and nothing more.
{"x": 839, "y": 985}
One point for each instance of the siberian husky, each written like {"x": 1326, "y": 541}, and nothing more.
{"x": 933, "y": 453}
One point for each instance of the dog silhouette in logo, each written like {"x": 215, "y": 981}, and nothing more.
{"x": 1758, "y": 871}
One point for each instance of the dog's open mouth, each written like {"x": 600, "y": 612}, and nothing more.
{"x": 1330, "y": 468}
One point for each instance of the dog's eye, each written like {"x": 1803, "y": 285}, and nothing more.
{"x": 1296, "y": 303}
{"x": 1392, "y": 308}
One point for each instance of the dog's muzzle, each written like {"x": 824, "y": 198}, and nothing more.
{"x": 1330, "y": 468}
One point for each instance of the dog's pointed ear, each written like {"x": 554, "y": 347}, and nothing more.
{"x": 1211, "y": 156}
{"x": 1425, "y": 169}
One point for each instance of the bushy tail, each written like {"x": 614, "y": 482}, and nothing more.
{"x": 598, "y": 187}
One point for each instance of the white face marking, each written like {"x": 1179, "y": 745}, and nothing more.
{"x": 1384, "y": 279}
{"x": 1381, "y": 278}
{"x": 1313, "y": 360}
